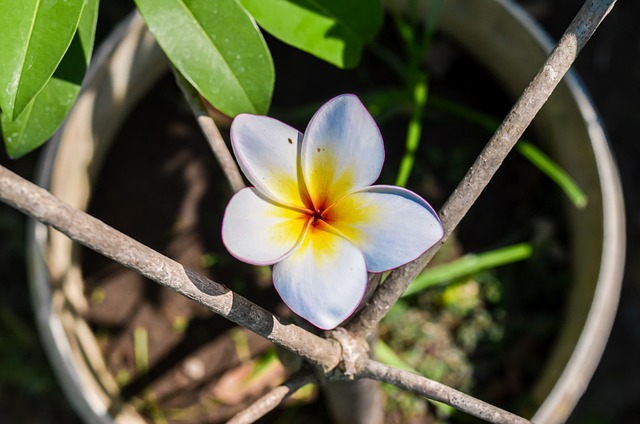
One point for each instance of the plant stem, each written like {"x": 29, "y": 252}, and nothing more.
{"x": 437, "y": 391}
{"x": 96, "y": 235}
{"x": 414, "y": 131}
{"x": 141, "y": 350}
{"x": 530, "y": 102}
{"x": 211, "y": 133}
{"x": 271, "y": 400}
{"x": 554, "y": 172}
{"x": 417, "y": 48}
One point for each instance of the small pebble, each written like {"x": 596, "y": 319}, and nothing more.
{"x": 194, "y": 369}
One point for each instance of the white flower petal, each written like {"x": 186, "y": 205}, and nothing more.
{"x": 391, "y": 225}
{"x": 259, "y": 231}
{"x": 342, "y": 150}
{"x": 267, "y": 152}
{"x": 324, "y": 280}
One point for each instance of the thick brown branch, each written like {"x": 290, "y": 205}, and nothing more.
{"x": 211, "y": 133}
{"x": 271, "y": 400}
{"x": 96, "y": 235}
{"x": 437, "y": 391}
{"x": 496, "y": 150}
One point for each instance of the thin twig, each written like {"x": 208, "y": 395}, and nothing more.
{"x": 96, "y": 235}
{"x": 211, "y": 133}
{"x": 271, "y": 400}
{"x": 437, "y": 391}
{"x": 532, "y": 99}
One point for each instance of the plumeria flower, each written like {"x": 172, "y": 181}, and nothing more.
{"x": 313, "y": 213}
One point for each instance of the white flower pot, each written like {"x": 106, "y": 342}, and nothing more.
{"x": 499, "y": 36}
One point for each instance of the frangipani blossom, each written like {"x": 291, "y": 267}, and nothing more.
{"x": 313, "y": 213}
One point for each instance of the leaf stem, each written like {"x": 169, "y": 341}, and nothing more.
{"x": 469, "y": 264}
{"x": 532, "y": 153}
{"x": 414, "y": 130}
{"x": 211, "y": 133}
{"x": 141, "y": 349}
{"x": 552, "y": 170}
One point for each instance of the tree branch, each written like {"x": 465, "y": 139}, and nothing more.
{"x": 525, "y": 109}
{"x": 437, "y": 391}
{"x": 96, "y": 235}
{"x": 211, "y": 133}
{"x": 271, "y": 400}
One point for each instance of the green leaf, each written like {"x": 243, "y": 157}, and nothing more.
{"x": 552, "y": 170}
{"x": 333, "y": 30}
{"x": 538, "y": 158}
{"x": 44, "y": 114}
{"x": 34, "y": 35}
{"x": 86, "y": 34}
{"x": 386, "y": 355}
{"x": 217, "y": 47}
{"x": 467, "y": 265}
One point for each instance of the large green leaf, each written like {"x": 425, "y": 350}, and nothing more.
{"x": 34, "y": 35}
{"x": 333, "y": 30}
{"x": 217, "y": 48}
{"x": 44, "y": 114}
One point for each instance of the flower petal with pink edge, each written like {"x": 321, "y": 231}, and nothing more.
{"x": 258, "y": 231}
{"x": 267, "y": 152}
{"x": 342, "y": 150}
{"x": 324, "y": 280}
{"x": 391, "y": 225}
